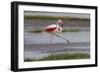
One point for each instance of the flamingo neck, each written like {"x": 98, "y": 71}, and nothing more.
{"x": 58, "y": 25}
{"x": 59, "y": 28}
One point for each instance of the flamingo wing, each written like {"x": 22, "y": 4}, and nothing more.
{"x": 51, "y": 28}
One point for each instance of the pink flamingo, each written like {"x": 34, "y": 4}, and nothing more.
{"x": 55, "y": 28}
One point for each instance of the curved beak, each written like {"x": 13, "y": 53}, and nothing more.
{"x": 62, "y": 25}
{"x": 60, "y": 22}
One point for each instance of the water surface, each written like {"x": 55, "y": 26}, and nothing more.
{"x": 37, "y": 45}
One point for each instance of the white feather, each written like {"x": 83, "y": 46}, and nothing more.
{"x": 52, "y": 26}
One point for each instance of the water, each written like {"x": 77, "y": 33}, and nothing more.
{"x": 31, "y": 38}
{"x": 37, "y": 45}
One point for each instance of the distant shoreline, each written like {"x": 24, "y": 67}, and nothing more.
{"x": 54, "y": 18}
{"x": 65, "y": 14}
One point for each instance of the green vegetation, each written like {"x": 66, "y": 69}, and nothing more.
{"x": 71, "y": 30}
{"x": 53, "y": 18}
{"x": 37, "y": 30}
{"x": 65, "y": 56}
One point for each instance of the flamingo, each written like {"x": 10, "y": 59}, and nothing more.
{"x": 55, "y": 28}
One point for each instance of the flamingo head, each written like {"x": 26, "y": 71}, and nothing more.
{"x": 60, "y": 22}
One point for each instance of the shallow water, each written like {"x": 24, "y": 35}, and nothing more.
{"x": 37, "y": 45}
{"x": 31, "y": 38}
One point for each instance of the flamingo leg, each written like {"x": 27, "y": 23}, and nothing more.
{"x": 60, "y": 37}
{"x": 51, "y": 38}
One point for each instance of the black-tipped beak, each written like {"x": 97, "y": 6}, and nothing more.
{"x": 62, "y": 25}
